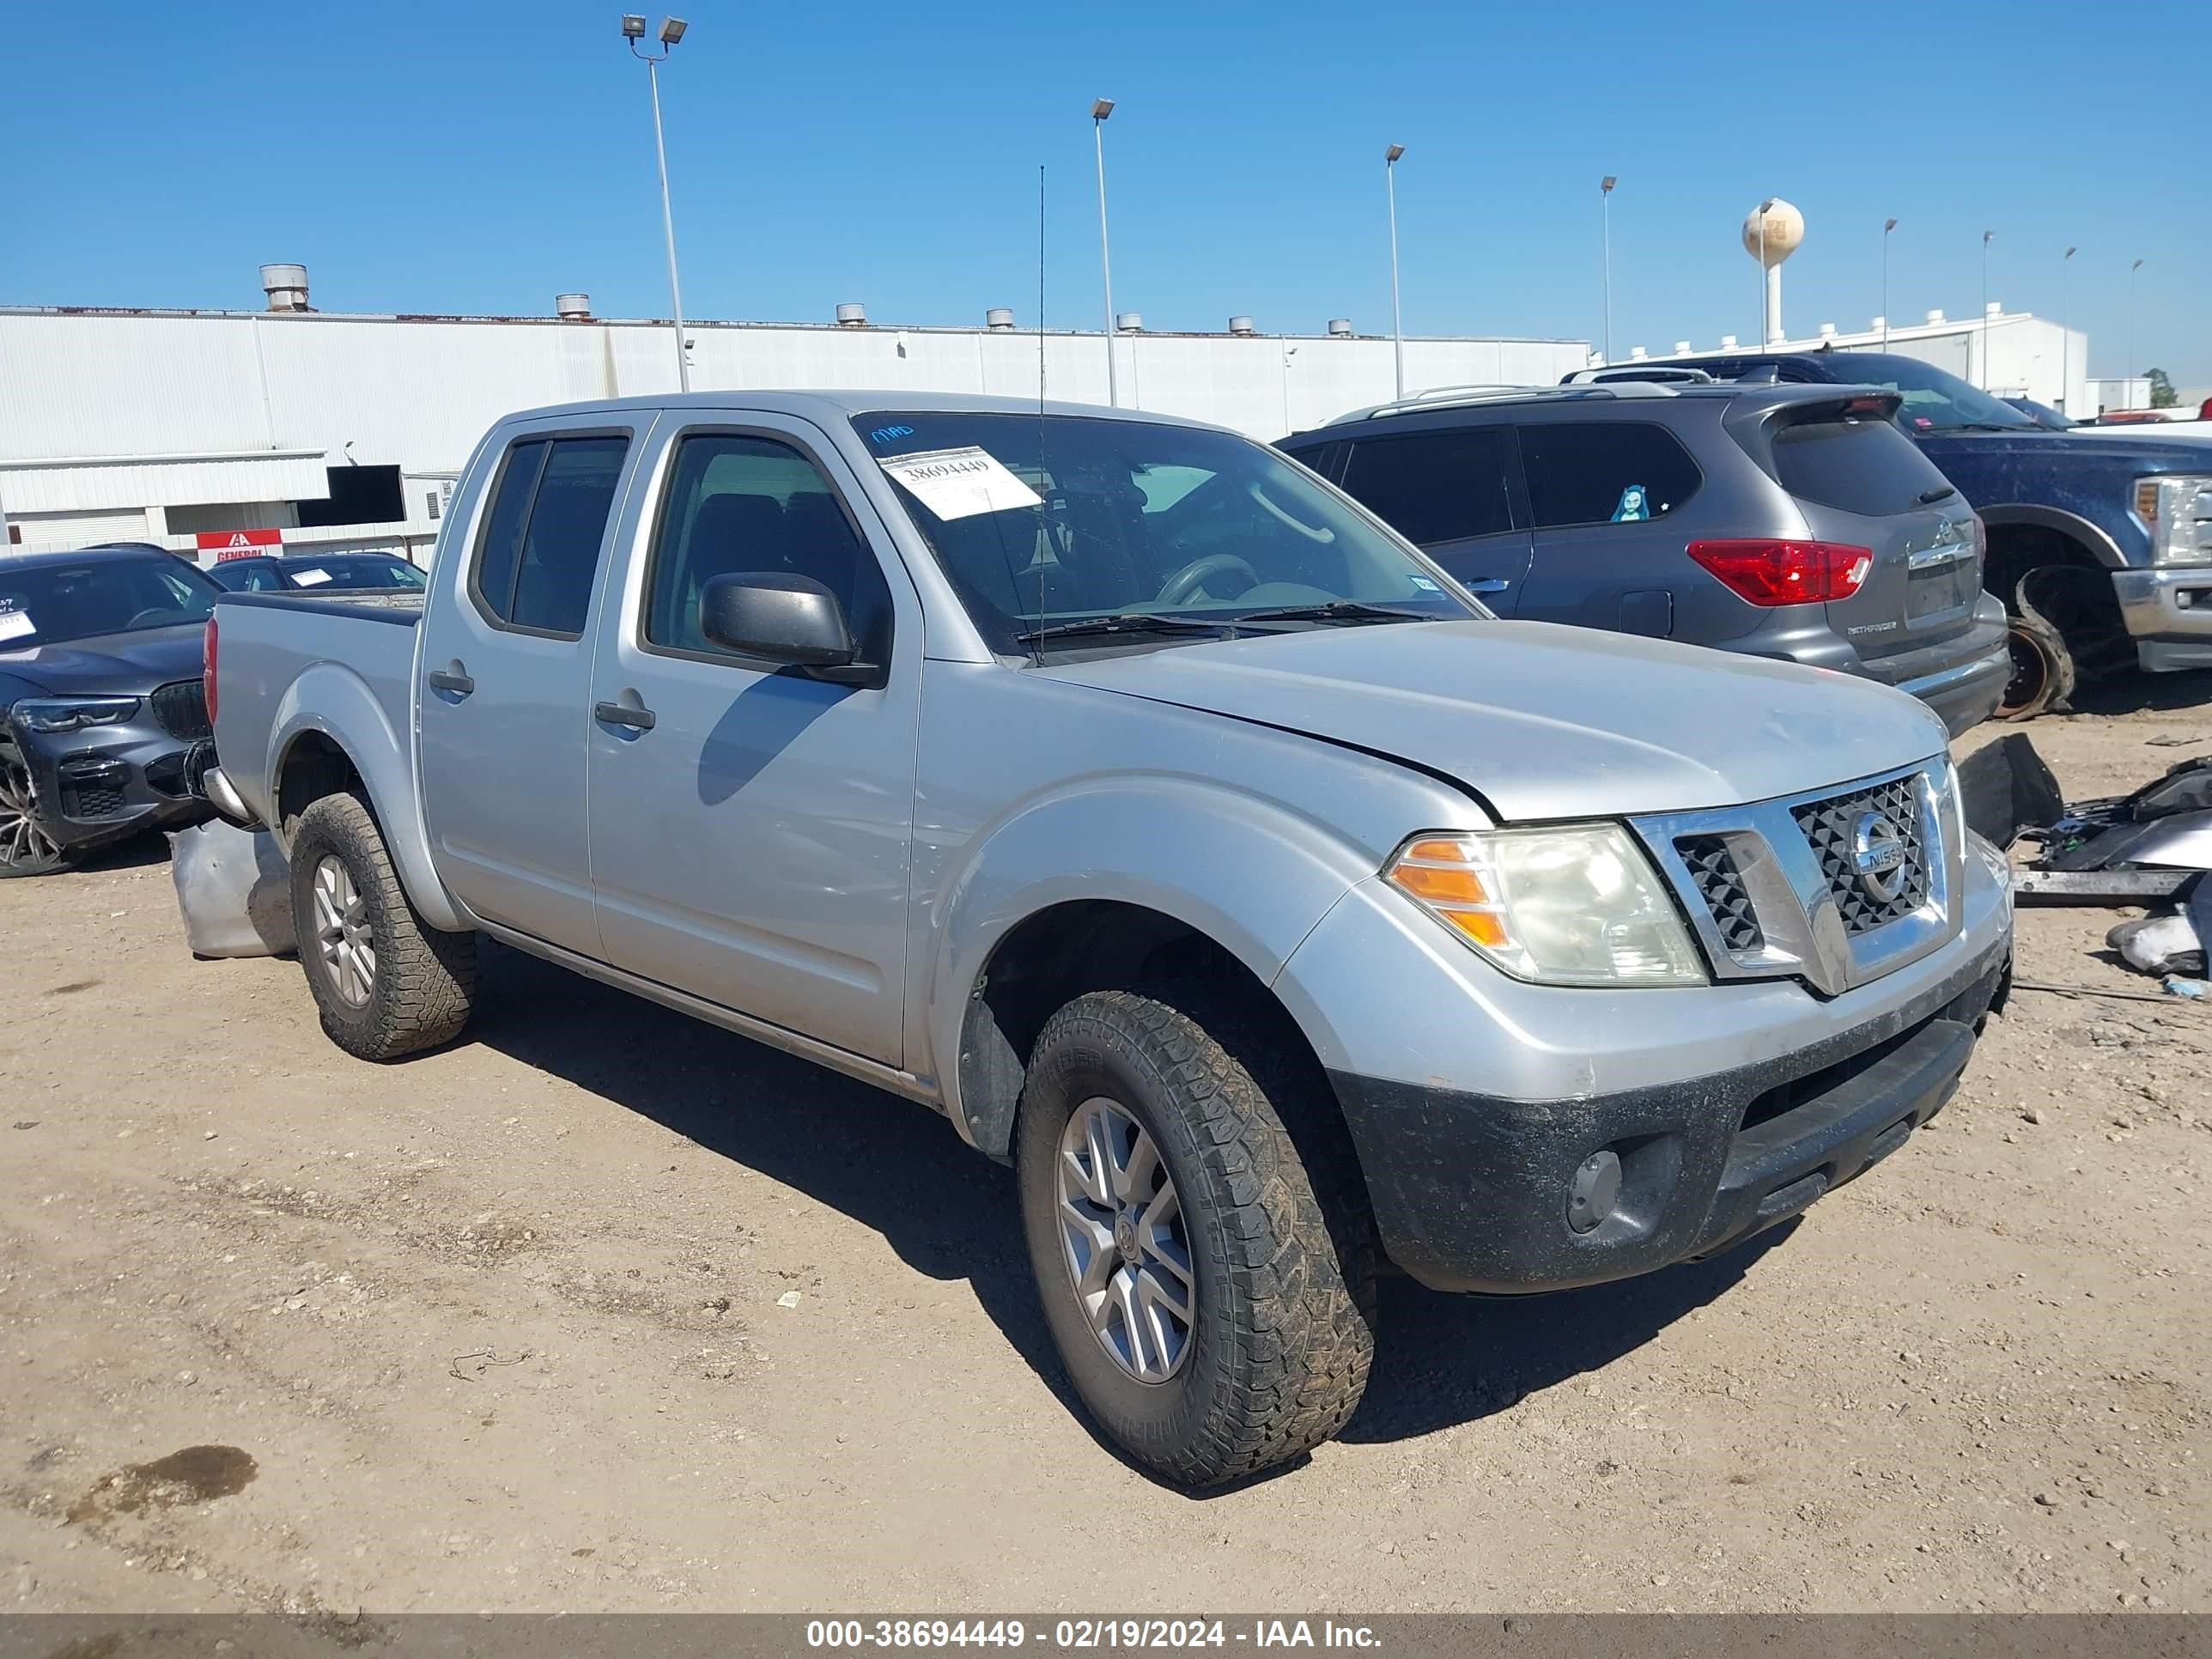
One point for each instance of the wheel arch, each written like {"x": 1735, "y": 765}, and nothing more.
{"x": 1095, "y": 889}
{"x": 333, "y": 734}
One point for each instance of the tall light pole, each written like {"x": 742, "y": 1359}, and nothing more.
{"x": 2065, "y": 339}
{"x": 1397, "y": 324}
{"x": 2131, "y": 320}
{"x": 1605, "y": 212}
{"x": 1986, "y": 236}
{"x": 1100, "y": 109}
{"x": 671, "y": 31}
{"x": 1887, "y": 225}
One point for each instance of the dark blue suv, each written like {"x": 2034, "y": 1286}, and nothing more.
{"x": 2099, "y": 540}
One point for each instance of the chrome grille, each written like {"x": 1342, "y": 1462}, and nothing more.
{"x": 181, "y": 708}
{"x": 1720, "y": 883}
{"x": 1831, "y": 829}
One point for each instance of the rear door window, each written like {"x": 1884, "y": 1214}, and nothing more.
{"x": 540, "y": 552}
{"x": 1604, "y": 472}
{"x": 1866, "y": 466}
{"x": 1433, "y": 487}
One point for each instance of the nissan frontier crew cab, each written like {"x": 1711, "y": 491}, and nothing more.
{"x": 1123, "y": 791}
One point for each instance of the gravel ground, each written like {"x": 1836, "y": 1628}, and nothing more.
{"x": 604, "y": 1310}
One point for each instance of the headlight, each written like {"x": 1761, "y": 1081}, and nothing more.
{"x": 1577, "y": 905}
{"x": 70, "y": 714}
{"x": 2177, "y": 509}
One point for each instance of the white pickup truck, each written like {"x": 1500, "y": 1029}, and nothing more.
{"x": 1117, "y": 788}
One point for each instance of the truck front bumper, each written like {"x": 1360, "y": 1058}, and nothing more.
{"x": 1707, "y": 1114}
{"x": 2168, "y": 610}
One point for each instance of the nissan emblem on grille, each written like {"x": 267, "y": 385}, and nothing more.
{"x": 1868, "y": 843}
{"x": 1878, "y": 855}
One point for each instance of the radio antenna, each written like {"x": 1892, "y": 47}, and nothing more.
{"x": 1040, "y": 290}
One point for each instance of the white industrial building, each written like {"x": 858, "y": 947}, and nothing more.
{"x": 174, "y": 427}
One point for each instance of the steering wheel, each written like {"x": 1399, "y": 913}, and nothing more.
{"x": 154, "y": 617}
{"x": 1195, "y": 575}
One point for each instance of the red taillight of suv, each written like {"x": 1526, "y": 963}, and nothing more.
{"x": 207, "y": 668}
{"x": 1786, "y": 573}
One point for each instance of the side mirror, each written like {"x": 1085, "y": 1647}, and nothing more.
{"x": 784, "y": 618}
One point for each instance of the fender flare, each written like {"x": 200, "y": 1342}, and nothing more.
{"x": 2101, "y": 546}
{"x": 1248, "y": 875}
{"x": 336, "y": 704}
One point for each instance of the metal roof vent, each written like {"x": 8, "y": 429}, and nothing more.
{"x": 286, "y": 287}
{"x": 1637, "y": 354}
{"x": 851, "y": 316}
{"x": 1000, "y": 318}
{"x": 1878, "y": 325}
{"x": 1241, "y": 325}
{"x": 1340, "y": 328}
{"x": 1682, "y": 346}
{"x": 573, "y": 307}
{"x": 1728, "y": 343}
{"x": 1994, "y": 309}
{"x": 1827, "y": 331}
{"x": 1130, "y": 322}
{"x": 1936, "y": 315}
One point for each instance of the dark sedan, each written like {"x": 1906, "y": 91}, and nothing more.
{"x": 99, "y": 697}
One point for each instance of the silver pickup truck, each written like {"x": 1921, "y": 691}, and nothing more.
{"x": 1120, "y": 789}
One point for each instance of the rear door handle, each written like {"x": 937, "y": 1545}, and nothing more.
{"x": 1489, "y": 584}
{"x": 451, "y": 677}
{"x": 624, "y": 714}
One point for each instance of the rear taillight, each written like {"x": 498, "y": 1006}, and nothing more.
{"x": 207, "y": 668}
{"x": 1786, "y": 573}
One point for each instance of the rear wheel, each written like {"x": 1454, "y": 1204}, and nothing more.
{"x": 2042, "y": 668}
{"x": 385, "y": 982}
{"x": 1211, "y": 1292}
{"x": 26, "y": 848}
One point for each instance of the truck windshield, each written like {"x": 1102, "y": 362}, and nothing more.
{"x": 41, "y": 604}
{"x": 1045, "y": 524}
{"x": 1934, "y": 401}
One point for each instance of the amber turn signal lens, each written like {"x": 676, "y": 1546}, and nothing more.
{"x": 1457, "y": 885}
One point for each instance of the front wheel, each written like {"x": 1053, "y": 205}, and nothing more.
{"x": 385, "y": 982}
{"x": 1212, "y": 1299}
{"x": 26, "y": 848}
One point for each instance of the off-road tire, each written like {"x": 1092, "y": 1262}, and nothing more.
{"x": 1281, "y": 1241}
{"x": 34, "y": 855}
{"x": 425, "y": 978}
{"x": 2042, "y": 670}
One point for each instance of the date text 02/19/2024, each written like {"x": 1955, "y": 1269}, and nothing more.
{"x": 1081, "y": 1635}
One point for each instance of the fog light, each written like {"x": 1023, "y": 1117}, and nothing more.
{"x": 1592, "y": 1193}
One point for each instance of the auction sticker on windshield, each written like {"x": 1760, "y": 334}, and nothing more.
{"x": 16, "y": 624}
{"x": 959, "y": 484}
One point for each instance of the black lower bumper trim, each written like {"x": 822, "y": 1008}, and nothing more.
{"x": 1470, "y": 1192}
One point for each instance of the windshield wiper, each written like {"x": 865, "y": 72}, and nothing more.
{"x": 1942, "y": 492}
{"x": 1993, "y": 426}
{"x": 1337, "y": 610}
{"x": 1126, "y": 622}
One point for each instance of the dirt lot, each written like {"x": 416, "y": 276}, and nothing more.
{"x": 605, "y": 1309}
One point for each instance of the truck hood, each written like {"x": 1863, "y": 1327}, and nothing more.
{"x": 1545, "y": 721}
{"x": 134, "y": 662}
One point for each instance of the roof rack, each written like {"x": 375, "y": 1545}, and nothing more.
{"x": 1463, "y": 397}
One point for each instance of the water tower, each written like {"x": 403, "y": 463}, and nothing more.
{"x": 1771, "y": 232}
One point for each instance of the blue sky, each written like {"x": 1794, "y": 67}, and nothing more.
{"x": 484, "y": 157}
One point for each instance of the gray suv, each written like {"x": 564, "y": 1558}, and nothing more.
{"x": 1785, "y": 521}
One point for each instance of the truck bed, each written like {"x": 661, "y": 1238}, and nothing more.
{"x": 285, "y": 659}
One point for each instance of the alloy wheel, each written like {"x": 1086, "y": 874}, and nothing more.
{"x": 342, "y": 934}
{"x": 23, "y": 840}
{"x": 1123, "y": 1235}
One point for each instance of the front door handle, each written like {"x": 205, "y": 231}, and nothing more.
{"x": 624, "y": 714}
{"x": 1489, "y": 584}
{"x": 451, "y": 677}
